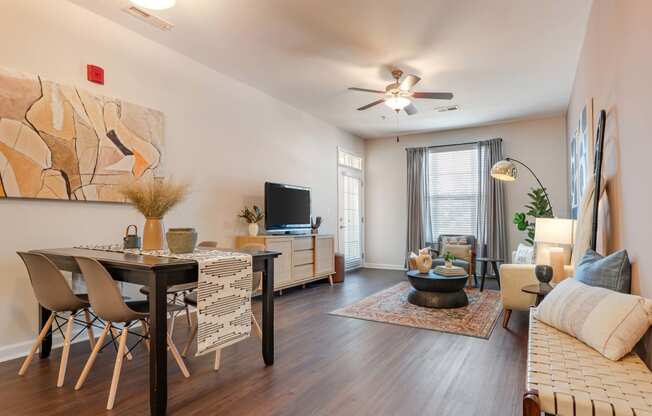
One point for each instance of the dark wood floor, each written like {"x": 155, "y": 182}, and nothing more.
{"x": 325, "y": 365}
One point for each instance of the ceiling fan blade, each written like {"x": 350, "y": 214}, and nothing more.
{"x": 409, "y": 82}
{"x": 364, "y": 107}
{"x": 410, "y": 109}
{"x": 366, "y": 90}
{"x": 434, "y": 95}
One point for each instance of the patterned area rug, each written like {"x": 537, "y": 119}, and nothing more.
{"x": 391, "y": 306}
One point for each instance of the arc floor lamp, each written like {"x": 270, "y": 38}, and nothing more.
{"x": 505, "y": 170}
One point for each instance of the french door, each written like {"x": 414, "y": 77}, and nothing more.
{"x": 350, "y": 214}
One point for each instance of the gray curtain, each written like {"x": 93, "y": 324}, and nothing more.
{"x": 418, "y": 203}
{"x": 492, "y": 230}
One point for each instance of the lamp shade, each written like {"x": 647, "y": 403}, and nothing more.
{"x": 504, "y": 170}
{"x": 554, "y": 231}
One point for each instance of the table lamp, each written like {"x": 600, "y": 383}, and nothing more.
{"x": 557, "y": 232}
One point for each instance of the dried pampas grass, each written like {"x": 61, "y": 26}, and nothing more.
{"x": 155, "y": 197}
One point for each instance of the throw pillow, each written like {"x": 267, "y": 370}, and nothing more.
{"x": 453, "y": 240}
{"x": 609, "y": 322}
{"x": 611, "y": 272}
{"x": 460, "y": 251}
{"x": 524, "y": 254}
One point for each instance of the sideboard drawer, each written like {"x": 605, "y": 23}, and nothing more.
{"x": 303, "y": 257}
{"x": 302, "y": 243}
{"x": 302, "y": 272}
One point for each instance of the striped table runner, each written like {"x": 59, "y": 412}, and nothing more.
{"x": 223, "y": 297}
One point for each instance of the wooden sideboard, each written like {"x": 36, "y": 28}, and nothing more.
{"x": 303, "y": 259}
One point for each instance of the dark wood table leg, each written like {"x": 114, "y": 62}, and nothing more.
{"x": 484, "y": 275}
{"x": 158, "y": 381}
{"x": 496, "y": 272}
{"x": 46, "y": 344}
{"x": 268, "y": 312}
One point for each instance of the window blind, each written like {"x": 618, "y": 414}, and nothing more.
{"x": 454, "y": 190}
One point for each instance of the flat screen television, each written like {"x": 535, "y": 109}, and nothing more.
{"x": 287, "y": 208}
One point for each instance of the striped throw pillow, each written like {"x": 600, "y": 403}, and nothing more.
{"x": 609, "y": 322}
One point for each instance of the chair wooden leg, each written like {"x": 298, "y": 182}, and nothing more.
{"x": 93, "y": 356}
{"x": 120, "y": 356}
{"x": 218, "y": 358}
{"x": 63, "y": 365}
{"x": 254, "y": 321}
{"x": 188, "y": 317}
{"x": 145, "y": 333}
{"x": 193, "y": 333}
{"x": 89, "y": 329}
{"x": 177, "y": 358}
{"x": 172, "y": 319}
{"x": 39, "y": 339}
{"x": 116, "y": 334}
{"x": 507, "y": 313}
{"x": 531, "y": 404}
{"x": 330, "y": 279}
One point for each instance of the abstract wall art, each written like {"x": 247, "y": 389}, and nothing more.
{"x": 580, "y": 151}
{"x": 61, "y": 142}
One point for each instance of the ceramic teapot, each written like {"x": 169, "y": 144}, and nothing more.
{"x": 131, "y": 240}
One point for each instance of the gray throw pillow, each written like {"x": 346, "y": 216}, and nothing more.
{"x": 611, "y": 272}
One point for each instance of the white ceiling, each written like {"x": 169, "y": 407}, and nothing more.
{"x": 503, "y": 59}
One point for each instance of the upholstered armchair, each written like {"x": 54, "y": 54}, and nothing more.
{"x": 513, "y": 277}
{"x": 463, "y": 247}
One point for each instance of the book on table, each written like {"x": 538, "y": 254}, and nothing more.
{"x": 450, "y": 271}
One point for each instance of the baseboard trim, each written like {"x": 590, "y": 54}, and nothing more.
{"x": 383, "y": 266}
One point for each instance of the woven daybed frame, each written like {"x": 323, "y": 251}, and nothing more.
{"x": 568, "y": 378}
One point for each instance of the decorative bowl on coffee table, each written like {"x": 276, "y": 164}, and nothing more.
{"x": 432, "y": 290}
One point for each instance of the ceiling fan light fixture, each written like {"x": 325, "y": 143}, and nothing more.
{"x": 154, "y": 4}
{"x": 397, "y": 103}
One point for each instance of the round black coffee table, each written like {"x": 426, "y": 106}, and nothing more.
{"x": 436, "y": 291}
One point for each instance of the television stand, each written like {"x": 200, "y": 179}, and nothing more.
{"x": 304, "y": 258}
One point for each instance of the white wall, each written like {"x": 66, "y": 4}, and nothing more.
{"x": 538, "y": 143}
{"x": 227, "y": 137}
{"x": 614, "y": 69}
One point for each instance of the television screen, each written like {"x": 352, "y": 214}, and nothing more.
{"x": 286, "y": 206}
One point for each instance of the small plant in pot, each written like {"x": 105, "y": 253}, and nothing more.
{"x": 253, "y": 216}
{"x": 448, "y": 259}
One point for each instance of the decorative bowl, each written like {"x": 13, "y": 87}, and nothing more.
{"x": 181, "y": 240}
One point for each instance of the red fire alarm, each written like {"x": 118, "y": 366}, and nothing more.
{"x": 95, "y": 74}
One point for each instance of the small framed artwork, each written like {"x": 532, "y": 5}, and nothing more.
{"x": 580, "y": 150}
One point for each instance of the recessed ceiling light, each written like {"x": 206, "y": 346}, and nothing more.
{"x": 155, "y": 4}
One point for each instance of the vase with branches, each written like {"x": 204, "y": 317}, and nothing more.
{"x": 539, "y": 207}
{"x": 252, "y": 216}
{"x": 154, "y": 198}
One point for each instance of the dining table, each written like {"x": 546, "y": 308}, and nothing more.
{"x": 158, "y": 273}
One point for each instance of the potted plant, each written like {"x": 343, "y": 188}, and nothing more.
{"x": 537, "y": 208}
{"x": 154, "y": 198}
{"x": 448, "y": 259}
{"x": 253, "y": 216}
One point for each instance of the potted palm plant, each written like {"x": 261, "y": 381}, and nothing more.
{"x": 252, "y": 216}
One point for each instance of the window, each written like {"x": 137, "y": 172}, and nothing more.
{"x": 349, "y": 160}
{"x": 454, "y": 190}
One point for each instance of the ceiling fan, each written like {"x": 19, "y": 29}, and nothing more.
{"x": 398, "y": 94}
